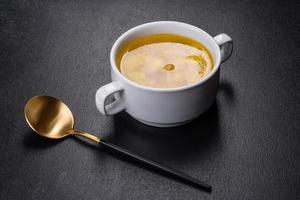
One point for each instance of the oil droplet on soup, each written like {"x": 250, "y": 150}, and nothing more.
{"x": 165, "y": 64}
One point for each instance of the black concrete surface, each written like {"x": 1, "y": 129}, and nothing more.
{"x": 246, "y": 146}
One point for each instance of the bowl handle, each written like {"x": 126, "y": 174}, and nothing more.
{"x": 225, "y": 44}
{"x": 104, "y": 92}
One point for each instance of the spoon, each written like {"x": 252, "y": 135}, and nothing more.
{"x": 51, "y": 118}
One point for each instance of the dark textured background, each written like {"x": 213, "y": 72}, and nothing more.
{"x": 246, "y": 145}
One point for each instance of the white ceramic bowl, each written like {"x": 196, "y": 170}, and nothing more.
{"x": 164, "y": 107}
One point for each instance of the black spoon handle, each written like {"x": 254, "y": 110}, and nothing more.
{"x": 157, "y": 166}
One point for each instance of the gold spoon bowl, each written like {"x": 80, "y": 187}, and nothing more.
{"x": 51, "y": 118}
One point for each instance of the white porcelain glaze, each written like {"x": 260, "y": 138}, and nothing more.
{"x": 163, "y": 107}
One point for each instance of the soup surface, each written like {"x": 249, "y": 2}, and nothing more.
{"x": 164, "y": 61}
